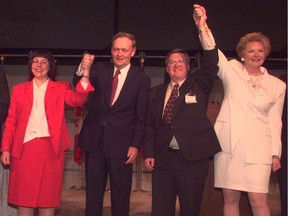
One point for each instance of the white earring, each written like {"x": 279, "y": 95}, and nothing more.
{"x": 242, "y": 59}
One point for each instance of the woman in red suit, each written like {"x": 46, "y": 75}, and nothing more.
{"x": 36, "y": 135}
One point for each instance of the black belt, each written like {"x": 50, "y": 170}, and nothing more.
{"x": 174, "y": 150}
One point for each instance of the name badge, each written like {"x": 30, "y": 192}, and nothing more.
{"x": 190, "y": 99}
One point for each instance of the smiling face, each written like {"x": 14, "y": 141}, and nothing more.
{"x": 122, "y": 51}
{"x": 177, "y": 67}
{"x": 254, "y": 54}
{"x": 40, "y": 68}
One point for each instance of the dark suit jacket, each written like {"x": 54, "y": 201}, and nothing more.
{"x": 190, "y": 124}
{"x": 4, "y": 99}
{"x": 122, "y": 125}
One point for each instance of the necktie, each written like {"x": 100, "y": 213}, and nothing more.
{"x": 114, "y": 86}
{"x": 168, "y": 111}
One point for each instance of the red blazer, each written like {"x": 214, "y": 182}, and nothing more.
{"x": 57, "y": 95}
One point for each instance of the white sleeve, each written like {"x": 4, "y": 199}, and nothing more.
{"x": 79, "y": 72}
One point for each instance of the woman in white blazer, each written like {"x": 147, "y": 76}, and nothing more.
{"x": 248, "y": 125}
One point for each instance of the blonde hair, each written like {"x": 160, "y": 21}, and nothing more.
{"x": 253, "y": 37}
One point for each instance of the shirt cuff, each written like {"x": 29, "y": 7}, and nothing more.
{"x": 208, "y": 43}
{"x": 79, "y": 72}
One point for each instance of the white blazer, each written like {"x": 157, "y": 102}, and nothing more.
{"x": 245, "y": 111}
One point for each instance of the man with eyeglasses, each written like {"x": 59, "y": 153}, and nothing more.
{"x": 114, "y": 127}
{"x": 180, "y": 139}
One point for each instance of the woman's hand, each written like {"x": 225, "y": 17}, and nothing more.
{"x": 5, "y": 158}
{"x": 276, "y": 165}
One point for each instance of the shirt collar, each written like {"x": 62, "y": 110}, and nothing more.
{"x": 171, "y": 84}
{"x": 123, "y": 70}
{"x": 43, "y": 86}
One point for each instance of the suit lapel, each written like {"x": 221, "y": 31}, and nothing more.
{"x": 160, "y": 100}
{"x": 50, "y": 90}
{"x": 29, "y": 92}
{"x": 184, "y": 89}
{"x": 125, "y": 88}
{"x": 110, "y": 73}
{"x": 29, "y": 99}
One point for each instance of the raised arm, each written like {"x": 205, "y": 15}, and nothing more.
{"x": 200, "y": 18}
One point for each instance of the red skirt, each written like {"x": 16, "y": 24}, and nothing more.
{"x": 36, "y": 179}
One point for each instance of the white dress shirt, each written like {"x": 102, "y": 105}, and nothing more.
{"x": 37, "y": 125}
{"x": 173, "y": 143}
{"x": 121, "y": 79}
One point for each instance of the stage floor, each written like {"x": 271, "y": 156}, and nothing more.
{"x": 73, "y": 203}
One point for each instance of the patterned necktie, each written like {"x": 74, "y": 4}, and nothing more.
{"x": 168, "y": 111}
{"x": 114, "y": 86}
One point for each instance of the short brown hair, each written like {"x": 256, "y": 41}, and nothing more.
{"x": 182, "y": 51}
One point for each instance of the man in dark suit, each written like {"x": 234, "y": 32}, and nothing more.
{"x": 4, "y": 97}
{"x": 178, "y": 144}
{"x": 114, "y": 127}
{"x": 4, "y": 105}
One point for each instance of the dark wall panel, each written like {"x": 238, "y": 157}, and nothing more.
{"x": 157, "y": 24}
{"x": 70, "y": 24}
{"x": 168, "y": 24}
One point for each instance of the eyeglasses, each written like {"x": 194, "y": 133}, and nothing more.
{"x": 118, "y": 50}
{"x": 173, "y": 62}
{"x": 40, "y": 62}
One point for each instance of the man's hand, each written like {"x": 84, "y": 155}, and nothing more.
{"x": 149, "y": 163}
{"x": 132, "y": 154}
{"x": 86, "y": 63}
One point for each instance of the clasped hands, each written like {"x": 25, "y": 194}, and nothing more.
{"x": 86, "y": 64}
{"x": 199, "y": 16}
